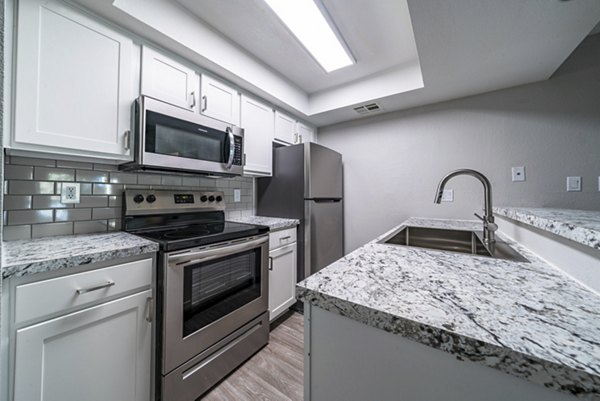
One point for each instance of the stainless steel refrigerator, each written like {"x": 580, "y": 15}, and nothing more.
{"x": 307, "y": 185}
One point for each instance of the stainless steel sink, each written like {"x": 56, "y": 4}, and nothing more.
{"x": 461, "y": 241}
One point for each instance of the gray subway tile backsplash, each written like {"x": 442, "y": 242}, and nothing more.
{"x": 92, "y": 176}
{"x": 33, "y": 186}
{"x": 17, "y": 187}
{"x": 15, "y": 172}
{"x": 73, "y": 214}
{"x": 54, "y": 174}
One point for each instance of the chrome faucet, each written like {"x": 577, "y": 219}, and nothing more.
{"x": 489, "y": 227}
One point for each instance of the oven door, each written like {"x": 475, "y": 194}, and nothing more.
{"x": 177, "y": 139}
{"x": 209, "y": 292}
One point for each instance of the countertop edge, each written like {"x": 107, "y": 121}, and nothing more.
{"x": 504, "y": 359}
{"x": 48, "y": 265}
{"x": 564, "y": 229}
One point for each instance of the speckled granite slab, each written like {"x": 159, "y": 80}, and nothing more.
{"x": 581, "y": 226}
{"x": 20, "y": 258}
{"x": 525, "y": 319}
{"x": 274, "y": 223}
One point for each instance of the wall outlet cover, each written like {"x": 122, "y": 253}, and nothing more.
{"x": 574, "y": 184}
{"x": 518, "y": 173}
{"x": 448, "y": 195}
{"x": 70, "y": 192}
{"x": 237, "y": 195}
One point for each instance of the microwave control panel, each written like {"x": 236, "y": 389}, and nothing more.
{"x": 237, "y": 151}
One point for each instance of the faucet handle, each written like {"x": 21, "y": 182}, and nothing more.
{"x": 479, "y": 217}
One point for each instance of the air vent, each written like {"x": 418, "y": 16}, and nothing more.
{"x": 367, "y": 108}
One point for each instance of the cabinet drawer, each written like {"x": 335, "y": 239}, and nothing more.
{"x": 281, "y": 238}
{"x": 50, "y": 296}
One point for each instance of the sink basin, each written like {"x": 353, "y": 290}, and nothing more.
{"x": 461, "y": 241}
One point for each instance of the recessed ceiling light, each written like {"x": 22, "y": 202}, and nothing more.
{"x": 308, "y": 24}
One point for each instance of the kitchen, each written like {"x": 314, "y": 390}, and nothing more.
{"x": 508, "y": 92}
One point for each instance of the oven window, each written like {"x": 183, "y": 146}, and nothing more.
{"x": 174, "y": 137}
{"x": 218, "y": 287}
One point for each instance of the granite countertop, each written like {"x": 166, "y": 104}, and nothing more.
{"x": 274, "y": 223}
{"x": 529, "y": 320}
{"x": 581, "y": 226}
{"x": 21, "y": 258}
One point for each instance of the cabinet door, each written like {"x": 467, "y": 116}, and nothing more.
{"x": 220, "y": 101}
{"x": 168, "y": 80}
{"x": 74, "y": 83}
{"x": 97, "y": 354}
{"x": 285, "y": 128}
{"x": 257, "y": 120}
{"x": 282, "y": 280}
{"x": 305, "y": 133}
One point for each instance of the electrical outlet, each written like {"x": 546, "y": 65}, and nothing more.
{"x": 518, "y": 174}
{"x": 448, "y": 195}
{"x": 69, "y": 192}
{"x": 237, "y": 195}
{"x": 574, "y": 184}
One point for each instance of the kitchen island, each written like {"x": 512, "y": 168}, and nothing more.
{"x": 393, "y": 322}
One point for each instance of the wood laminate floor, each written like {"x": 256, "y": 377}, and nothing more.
{"x": 275, "y": 373}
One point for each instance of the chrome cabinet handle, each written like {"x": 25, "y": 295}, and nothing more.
{"x": 95, "y": 288}
{"x": 270, "y": 263}
{"x": 189, "y": 258}
{"x": 300, "y": 141}
{"x": 204, "y": 103}
{"x": 149, "y": 309}
{"x": 127, "y": 140}
{"x": 193, "y": 94}
{"x": 284, "y": 238}
{"x": 231, "y": 148}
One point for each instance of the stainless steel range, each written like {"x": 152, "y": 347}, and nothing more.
{"x": 212, "y": 293}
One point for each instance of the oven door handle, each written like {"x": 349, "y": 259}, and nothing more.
{"x": 231, "y": 148}
{"x": 208, "y": 254}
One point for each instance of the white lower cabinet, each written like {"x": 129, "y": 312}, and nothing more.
{"x": 97, "y": 354}
{"x": 282, "y": 276}
{"x": 96, "y": 347}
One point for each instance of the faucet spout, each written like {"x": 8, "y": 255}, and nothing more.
{"x": 489, "y": 227}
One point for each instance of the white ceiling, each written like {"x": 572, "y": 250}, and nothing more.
{"x": 379, "y": 35}
{"x": 440, "y": 50}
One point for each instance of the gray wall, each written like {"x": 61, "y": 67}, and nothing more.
{"x": 32, "y": 207}
{"x": 393, "y": 162}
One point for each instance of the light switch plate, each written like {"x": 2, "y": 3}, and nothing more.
{"x": 237, "y": 195}
{"x": 518, "y": 173}
{"x": 448, "y": 195}
{"x": 574, "y": 184}
{"x": 69, "y": 192}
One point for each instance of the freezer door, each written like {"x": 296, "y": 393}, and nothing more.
{"x": 324, "y": 234}
{"x": 323, "y": 172}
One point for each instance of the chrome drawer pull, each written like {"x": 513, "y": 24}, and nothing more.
{"x": 95, "y": 288}
{"x": 284, "y": 238}
{"x": 149, "y": 311}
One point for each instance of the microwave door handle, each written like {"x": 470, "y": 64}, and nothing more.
{"x": 231, "y": 148}
{"x": 208, "y": 254}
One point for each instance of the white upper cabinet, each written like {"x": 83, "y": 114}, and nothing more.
{"x": 257, "y": 119}
{"x": 168, "y": 80}
{"x": 285, "y": 128}
{"x": 74, "y": 83}
{"x": 305, "y": 133}
{"x": 219, "y": 100}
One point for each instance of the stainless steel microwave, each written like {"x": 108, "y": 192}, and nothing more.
{"x": 173, "y": 139}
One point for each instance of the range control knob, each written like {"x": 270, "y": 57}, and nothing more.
{"x": 150, "y": 198}
{"x": 139, "y": 198}
{"x": 203, "y": 198}
{"x": 211, "y": 198}
{"x": 219, "y": 198}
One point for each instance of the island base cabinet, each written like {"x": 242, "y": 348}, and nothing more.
{"x": 97, "y": 354}
{"x": 351, "y": 361}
